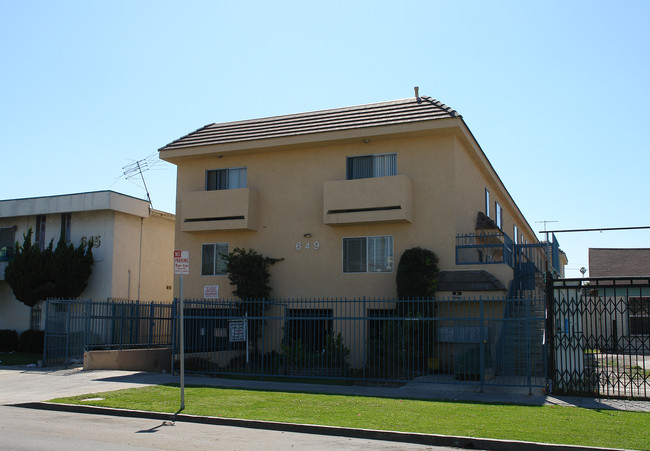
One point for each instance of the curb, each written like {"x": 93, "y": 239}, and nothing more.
{"x": 403, "y": 437}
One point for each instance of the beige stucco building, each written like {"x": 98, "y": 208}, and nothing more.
{"x": 340, "y": 194}
{"x": 133, "y": 245}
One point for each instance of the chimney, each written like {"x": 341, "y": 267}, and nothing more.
{"x": 417, "y": 92}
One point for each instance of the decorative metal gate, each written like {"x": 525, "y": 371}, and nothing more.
{"x": 601, "y": 336}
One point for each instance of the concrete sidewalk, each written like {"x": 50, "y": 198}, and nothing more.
{"x": 20, "y": 385}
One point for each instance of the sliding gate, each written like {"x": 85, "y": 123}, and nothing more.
{"x": 601, "y": 336}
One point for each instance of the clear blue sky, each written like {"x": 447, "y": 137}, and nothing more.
{"x": 555, "y": 92}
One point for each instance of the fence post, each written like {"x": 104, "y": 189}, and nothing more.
{"x": 47, "y": 316}
{"x": 528, "y": 347}
{"x": 151, "y": 322}
{"x": 67, "y": 334}
{"x": 364, "y": 316}
{"x": 173, "y": 315}
{"x": 550, "y": 331}
{"x": 482, "y": 344}
{"x": 87, "y": 326}
{"x": 264, "y": 308}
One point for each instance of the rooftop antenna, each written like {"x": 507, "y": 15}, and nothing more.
{"x": 545, "y": 222}
{"x": 136, "y": 169}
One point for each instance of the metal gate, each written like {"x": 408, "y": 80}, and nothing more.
{"x": 601, "y": 336}
{"x": 75, "y": 326}
{"x": 62, "y": 345}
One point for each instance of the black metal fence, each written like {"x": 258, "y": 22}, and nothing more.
{"x": 459, "y": 340}
{"x": 601, "y": 336}
{"x": 484, "y": 341}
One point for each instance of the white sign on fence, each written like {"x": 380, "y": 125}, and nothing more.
{"x": 237, "y": 330}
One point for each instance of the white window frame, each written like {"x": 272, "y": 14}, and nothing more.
{"x": 487, "y": 202}
{"x": 386, "y": 266}
{"x": 215, "y": 259}
{"x": 498, "y": 214}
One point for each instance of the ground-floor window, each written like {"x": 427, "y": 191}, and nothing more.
{"x": 639, "y": 309}
{"x": 310, "y": 327}
{"x": 368, "y": 254}
{"x": 213, "y": 261}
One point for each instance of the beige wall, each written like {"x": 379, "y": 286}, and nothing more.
{"x": 123, "y": 242}
{"x": 447, "y": 176}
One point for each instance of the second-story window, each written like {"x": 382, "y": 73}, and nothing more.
{"x": 498, "y": 215}
{"x": 65, "y": 227}
{"x": 40, "y": 231}
{"x": 366, "y": 166}
{"x": 230, "y": 178}
{"x": 487, "y": 203}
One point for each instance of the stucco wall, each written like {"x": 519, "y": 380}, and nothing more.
{"x": 121, "y": 237}
{"x": 447, "y": 188}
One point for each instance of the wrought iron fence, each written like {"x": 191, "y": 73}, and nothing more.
{"x": 487, "y": 341}
{"x": 601, "y": 342}
{"x": 75, "y": 326}
{"x": 459, "y": 340}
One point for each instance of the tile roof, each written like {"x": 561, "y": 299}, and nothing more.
{"x": 361, "y": 116}
{"x": 619, "y": 262}
{"x": 468, "y": 281}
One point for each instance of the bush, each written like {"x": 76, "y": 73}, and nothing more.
{"x": 8, "y": 340}
{"x": 467, "y": 366}
{"x": 32, "y": 341}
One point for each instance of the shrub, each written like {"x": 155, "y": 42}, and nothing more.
{"x": 32, "y": 341}
{"x": 8, "y": 340}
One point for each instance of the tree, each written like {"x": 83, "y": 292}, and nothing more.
{"x": 248, "y": 271}
{"x": 35, "y": 275}
{"x": 417, "y": 282}
{"x": 417, "y": 274}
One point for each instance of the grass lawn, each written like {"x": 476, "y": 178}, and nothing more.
{"x": 18, "y": 358}
{"x": 550, "y": 424}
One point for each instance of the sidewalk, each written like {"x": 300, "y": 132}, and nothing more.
{"x": 20, "y": 385}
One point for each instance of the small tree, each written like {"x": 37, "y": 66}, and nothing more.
{"x": 248, "y": 271}
{"x": 417, "y": 274}
{"x": 417, "y": 282}
{"x": 36, "y": 275}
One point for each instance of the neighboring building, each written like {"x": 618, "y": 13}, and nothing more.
{"x": 133, "y": 246}
{"x": 623, "y": 312}
{"x": 340, "y": 194}
{"x": 604, "y": 262}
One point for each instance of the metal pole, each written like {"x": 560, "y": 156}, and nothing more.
{"x": 181, "y": 330}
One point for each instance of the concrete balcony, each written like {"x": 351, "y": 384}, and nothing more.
{"x": 371, "y": 200}
{"x": 230, "y": 209}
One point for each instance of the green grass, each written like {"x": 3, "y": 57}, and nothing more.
{"x": 550, "y": 424}
{"x": 18, "y": 358}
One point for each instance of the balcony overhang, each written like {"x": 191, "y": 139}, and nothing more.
{"x": 370, "y": 200}
{"x": 231, "y": 209}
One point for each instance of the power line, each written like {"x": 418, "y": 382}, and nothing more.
{"x": 601, "y": 229}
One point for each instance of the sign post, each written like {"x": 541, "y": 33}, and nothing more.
{"x": 182, "y": 266}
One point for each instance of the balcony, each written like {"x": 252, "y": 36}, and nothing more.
{"x": 231, "y": 209}
{"x": 370, "y": 200}
{"x": 484, "y": 248}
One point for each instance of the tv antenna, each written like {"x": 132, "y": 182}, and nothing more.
{"x": 545, "y": 222}
{"x": 136, "y": 169}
